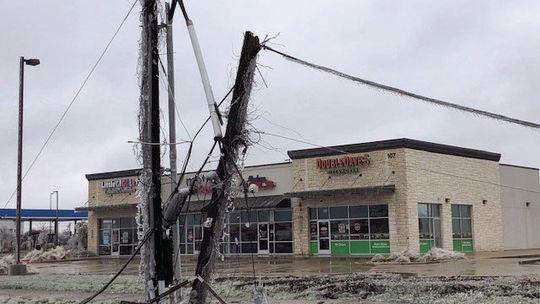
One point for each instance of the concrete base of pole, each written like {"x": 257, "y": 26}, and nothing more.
{"x": 17, "y": 269}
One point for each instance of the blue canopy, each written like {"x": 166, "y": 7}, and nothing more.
{"x": 45, "y": 214}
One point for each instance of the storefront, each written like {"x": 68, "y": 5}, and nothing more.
{"x": 349, "y": 230}
{"x": 351, "y": 200}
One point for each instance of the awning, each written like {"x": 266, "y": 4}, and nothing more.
{"x": 45, "y": 214}
{"x": 387, "y": 189}
{"x": 253, "y": 202}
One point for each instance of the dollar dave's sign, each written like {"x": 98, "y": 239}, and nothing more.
{"x": 344, "y": 164}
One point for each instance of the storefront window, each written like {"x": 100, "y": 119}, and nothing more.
{"x": 343, "y": 230}
{"x": 378, "y": 211}
{"x": 359, "y": 229}
{"x": 246, "y": 232}
{"x": 429, "y": 226}
{"x": 358, "y": 211}
{"x": 339, "y": 212}
{"x": 117, "y": 236}
{"x": 339, "y": 230}
{"x": 379, "y": 229}
{"x": 283, "y": 231}
{"x": 282, "y": 215}
{"x": 322, "y": 213}
{"x": 462, "y": 228}
{"x": 313, "y": 230}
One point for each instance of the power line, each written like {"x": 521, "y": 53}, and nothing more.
{"x": 402, "y": 92}
{"x": 75, "y": 97}
{"x": 409, "y": 166}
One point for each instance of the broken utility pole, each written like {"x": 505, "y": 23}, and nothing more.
{"x": 156, "y": 259}
{"x": 234, "y": 140}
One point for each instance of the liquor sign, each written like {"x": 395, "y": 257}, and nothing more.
{"x": 202, "y": 184}
{"x": 343, "y": 165}
{"x": 261, "y": 181}
{"x": 124, "y": 185}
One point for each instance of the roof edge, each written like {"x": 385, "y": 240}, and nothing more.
{"x": 113, "y": 174}
{"x": 521, "y": 167}
{"x": 394, "y": 144}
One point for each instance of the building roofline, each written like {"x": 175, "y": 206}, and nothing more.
{"x": 521, "y": 167}
{"x": 394, "y": 144}
{"x": 135, "y": 172}
{"x": 113, "y": 174}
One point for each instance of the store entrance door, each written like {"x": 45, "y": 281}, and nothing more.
{"x": 324, "y": 237}
{"x": 115, "y": 249}
{"x": 263, "y": 238}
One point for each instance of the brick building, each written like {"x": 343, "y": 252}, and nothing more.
{"x": 358, "y": 199}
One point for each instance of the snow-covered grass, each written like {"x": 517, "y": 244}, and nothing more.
{"x": 5, "y": 261}
{"x": 392, "y": 289}
{"x": 18, "y": 300}
{"x": 80, "y": 283}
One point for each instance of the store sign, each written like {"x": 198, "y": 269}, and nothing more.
{"x": 343, "y": 165}
{"x": 261, "y": 181}
{"x": 124, "y": 185}
{"x": 205, "y": 186}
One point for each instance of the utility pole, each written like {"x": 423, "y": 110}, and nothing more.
{"x": 158, "y": 250}
{"x": 172, "y": 139}
{"x": 234, "y": 140}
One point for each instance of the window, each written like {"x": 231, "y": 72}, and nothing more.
{"x": 359, "y": 229}
{"x": 117, "y": 236}
{"x": 339, "y": 230}
{"x": 378, "y": 211}
{"x": 462, "y": 228}
{"x": 379, "y": 229}
{"x": 283, "y": 231}
{"x": 241, "y": 232}
{"x": 358, "y": 211}
{"x": 429, "y": 226}
{"x": 339, "y": 212}
{"x": 282, "y": 216}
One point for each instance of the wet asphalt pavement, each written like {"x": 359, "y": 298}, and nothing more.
{"x": 485, "y": 264}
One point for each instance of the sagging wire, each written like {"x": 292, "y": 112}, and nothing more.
{"x": 405, "y": 93}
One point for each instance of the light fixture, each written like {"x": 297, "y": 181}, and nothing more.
{"x": 32, "y": 62}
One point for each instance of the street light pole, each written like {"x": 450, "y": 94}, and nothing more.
{"x": 18, "y": 268}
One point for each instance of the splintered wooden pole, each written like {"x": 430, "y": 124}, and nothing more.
{"x": 232, "y": 142}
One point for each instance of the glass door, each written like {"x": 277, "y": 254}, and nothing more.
{"x": 263, "y": 238}
{"x": 115, "y": 249}
{"x": 324, "y": 237}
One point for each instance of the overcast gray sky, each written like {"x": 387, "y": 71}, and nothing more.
{"x": 481, "y": 54}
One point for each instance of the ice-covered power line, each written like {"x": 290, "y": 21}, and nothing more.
{"x": 75, "y": 97}
{"x": 402, "y": 92}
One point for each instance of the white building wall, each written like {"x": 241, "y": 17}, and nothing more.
{"x": 521, "y": 221}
